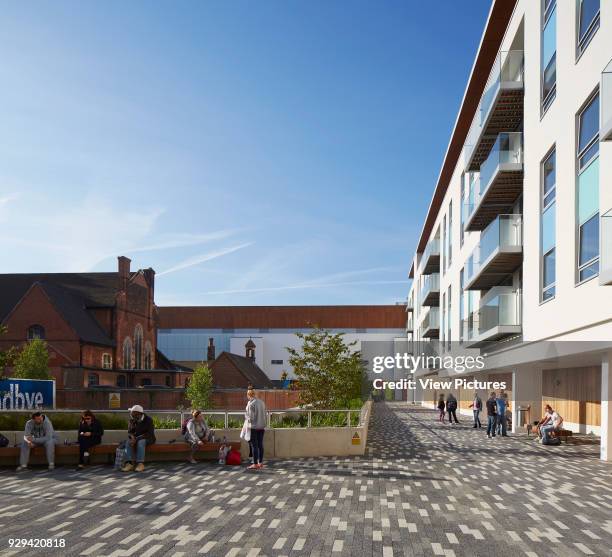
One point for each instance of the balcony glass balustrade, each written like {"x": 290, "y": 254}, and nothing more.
{"x": 505, "y": 84}
{"x": 507, "y": 150}
{"x": 605, "y": 272}
{"x": 430, "y": 292}
{"x": 498, "y": 253}
{"x": 605, "y": 128}
{"x": 430, "y": 326}
{"x": 499, "y": 313}
{"x": 430, "y": 261}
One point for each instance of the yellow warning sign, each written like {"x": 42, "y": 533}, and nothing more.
{"x": 356, "y": 440}
{"x": 114, "y": 401}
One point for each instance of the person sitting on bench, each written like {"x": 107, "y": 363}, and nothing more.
{"x": 553, "y": 424}
{"x": 90, "y": 435}
{"x": 141, "y": 433}
{"x": 197, "y": 433}
{"x": 38, "y": 432}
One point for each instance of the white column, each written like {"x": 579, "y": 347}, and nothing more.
{"x": 606, "y": 408}
{"x": 526, "y": 391}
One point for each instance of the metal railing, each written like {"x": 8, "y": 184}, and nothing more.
{"x": 507, "y": 69}
{"x": 179, "y": 416}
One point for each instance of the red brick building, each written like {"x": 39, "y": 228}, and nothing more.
{"x": 101, "y": 328}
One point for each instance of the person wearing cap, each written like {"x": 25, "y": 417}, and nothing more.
{"x": 141, "y": 432}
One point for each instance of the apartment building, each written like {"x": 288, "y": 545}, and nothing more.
{"x": 514, "y": 260}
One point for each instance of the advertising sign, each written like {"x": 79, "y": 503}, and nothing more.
{"x": 26, "y": 394}
{"x": 114, "y": 401}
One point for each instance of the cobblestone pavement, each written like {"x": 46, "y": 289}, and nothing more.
{"x": 424, "y": 488}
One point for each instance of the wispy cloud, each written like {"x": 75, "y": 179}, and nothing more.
{"x": 306, "y": 286}
{"x": 185, "y": 240}
{"x": 196, "y": 260}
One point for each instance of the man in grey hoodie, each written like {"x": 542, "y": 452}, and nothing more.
{"x": 38, "y": 432}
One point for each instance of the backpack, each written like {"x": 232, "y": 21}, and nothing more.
{"x": 233, "y": 458}
{"x": 4, "y": 442}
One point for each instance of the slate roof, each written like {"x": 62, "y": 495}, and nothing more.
{"x": 249, "y": 369}
{"x": 71, "y": 294}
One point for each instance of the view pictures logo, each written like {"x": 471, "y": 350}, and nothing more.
{"x": 412, "y": 363}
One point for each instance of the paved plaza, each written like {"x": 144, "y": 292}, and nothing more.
{"x": 423, "y": 488}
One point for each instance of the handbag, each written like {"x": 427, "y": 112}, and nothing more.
{"x": 120, "y": 455}
{"x": 4, "y": 442}
{"x": 245, "y": 433}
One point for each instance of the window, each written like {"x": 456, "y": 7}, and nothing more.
{"x": 138, "y": 347}
{"x": 450, "y": 233}
{"x": 588, "y": 23}
{"x": 146, "y": 381}
{"x": 107, "y": 361}
{"x": 148, "y": 359}
{"x": 448, "y": 319}
{"x": 462, "y": 210}
{"x": 547, "y": 226}
{"x": 588, "y": 190}
{"x": 277, "y": 362}
{"x": 120, "y": 382}
{"x": 36, "y": 331}
{"x": 549, "y": 53}
{"x": 461, "y": 303}
{"x": 93, "y": 380}
{"x": 127, "y": 353}
{"x": 168, "y": 381}
{"x": 443, "y": 242}
{"x": 442, "y": 321}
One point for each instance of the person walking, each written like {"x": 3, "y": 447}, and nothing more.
{"x": 451, "y": 408}
{"x": 255, "y": 416}
{"x": 38, "y": 432}
{"x": 476, "y": 407}
{"x": 491, "y": 415}
{"x": 90, "y": 434}
{"x": 141, "y": 433}
{"x": 441, "y": 408}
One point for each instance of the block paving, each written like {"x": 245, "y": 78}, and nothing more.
{"x": 423, "y": 488}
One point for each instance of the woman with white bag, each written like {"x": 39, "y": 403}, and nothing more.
{"x": 254, "y": 428}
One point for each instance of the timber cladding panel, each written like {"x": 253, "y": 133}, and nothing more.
{"x": 574, "y": 393}
{"x": 282, "y": 317}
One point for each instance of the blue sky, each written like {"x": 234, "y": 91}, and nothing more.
{"x": 276, "y": 152}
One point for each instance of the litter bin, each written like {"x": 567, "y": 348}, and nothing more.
{"x": 523, "y": 415}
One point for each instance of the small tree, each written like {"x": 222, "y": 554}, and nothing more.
{"x": 199, "y": 390}
{"x": 330, "y": 373}
{"x": 32, "y": 361}
{"x": 6, "y": 356}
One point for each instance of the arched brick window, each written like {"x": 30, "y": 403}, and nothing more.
{"x": 36, "y": 331}
{"x": 127, "y": 353}
{"x": 148, "y": 358}
{"x": 138, "y": 347}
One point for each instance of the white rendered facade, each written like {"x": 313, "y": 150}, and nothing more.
{"x": 532, "y": 210}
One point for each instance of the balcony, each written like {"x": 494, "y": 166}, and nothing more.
{"x": 430, "y": 292}
{"x": 499, "y": 316}
{"x": 500, "y": 182}
{"x": 605, "y": 128}
{"x": 409, "y": 323}
{"x": 605, "y": 271}
{"x": 430, "y": 262}
{"x": 499, "y": 253}
{"x": 430, "y": 326}
{"x": 501, "y": 107}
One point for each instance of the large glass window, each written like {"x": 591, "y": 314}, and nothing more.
{"x": 548, "y": 222}
{"x": 461, "y": 303}
{"x": 588, "y": 190}
{"x": 462, "y": 211}
{"x": 549, "y": 53}
{"x": 448, "y": 319}
{"x": 588, "y": 22}
{"x": 450, "y": 233}
{"x": 443, "y": 256}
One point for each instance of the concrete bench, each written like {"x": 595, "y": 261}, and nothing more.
{"x": 105, "y": 453}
